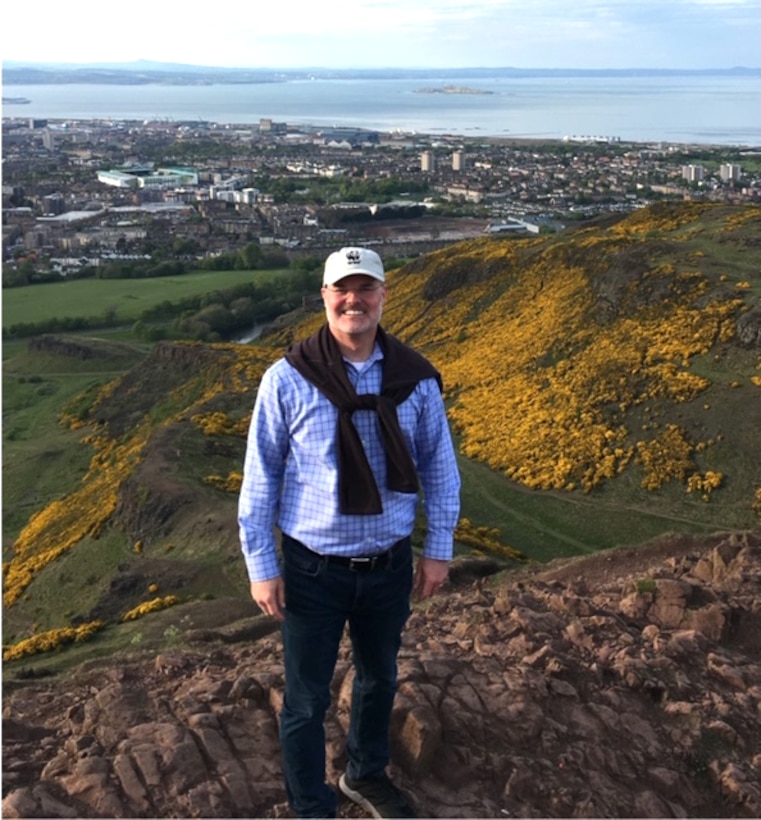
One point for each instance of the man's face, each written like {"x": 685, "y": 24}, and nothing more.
{"x": 354, "y": 304}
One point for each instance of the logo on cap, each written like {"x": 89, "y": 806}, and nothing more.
{"x": 353, "y": 257}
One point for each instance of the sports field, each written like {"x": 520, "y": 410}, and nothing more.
{"x": 124, "y": 299}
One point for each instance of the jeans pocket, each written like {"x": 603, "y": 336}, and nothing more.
{"x": 401, "y": 559}
{"x": 298, "y": 558}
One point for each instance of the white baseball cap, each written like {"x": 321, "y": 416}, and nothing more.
{"x": 348, "y": 261}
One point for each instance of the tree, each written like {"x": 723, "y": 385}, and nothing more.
{"x": 249, "y": 257}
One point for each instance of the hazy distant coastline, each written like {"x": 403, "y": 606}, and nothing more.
{"x": 144, "y": 72}
{"x": 723, "y": 109}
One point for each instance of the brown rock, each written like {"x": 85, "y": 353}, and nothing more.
{"x": 550, "y": 692}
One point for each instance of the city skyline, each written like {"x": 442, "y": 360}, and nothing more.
{"x": 590, "y": 34}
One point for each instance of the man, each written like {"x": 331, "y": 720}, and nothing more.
{"x": 345, "y": 429}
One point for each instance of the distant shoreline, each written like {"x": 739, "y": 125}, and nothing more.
{"x": 697, "y": 110}
{"x": 145, "y": 72}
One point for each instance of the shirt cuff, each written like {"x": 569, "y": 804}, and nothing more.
{"x": 439, "y": 548}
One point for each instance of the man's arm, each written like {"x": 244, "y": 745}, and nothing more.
{"x": 440, "y": 480}
{"x": 263, "y": 468}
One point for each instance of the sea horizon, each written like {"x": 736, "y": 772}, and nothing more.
{"x": 700, "y": 108}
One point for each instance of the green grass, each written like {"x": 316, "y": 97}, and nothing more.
{"x": 69, "y": 587}
{"x": 126, "y": 298}
{"x": 545, "y": 525}
{"x": 42, "y": 460}
{"x": 145, "y": 637}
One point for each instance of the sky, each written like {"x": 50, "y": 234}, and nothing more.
{"x": 591, "y": 34}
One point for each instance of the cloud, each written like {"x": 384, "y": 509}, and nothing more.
{"x": 353, "y": 33}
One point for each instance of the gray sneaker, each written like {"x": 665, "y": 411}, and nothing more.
{"x": 378, "y": 795}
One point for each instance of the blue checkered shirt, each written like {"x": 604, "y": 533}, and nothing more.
{"x": 290, "y": 475}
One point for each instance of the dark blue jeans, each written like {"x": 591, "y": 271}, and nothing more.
{"x": 320, "y": 598}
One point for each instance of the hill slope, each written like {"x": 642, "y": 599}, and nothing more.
{"x": 622, "y": 357}
{"x": 604, "y": 385}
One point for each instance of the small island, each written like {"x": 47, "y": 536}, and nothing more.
{"x": 452, "y": 89}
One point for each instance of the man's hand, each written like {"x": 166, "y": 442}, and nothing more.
{"x": 269, "y": 596}
{"x": 429, "y": 576}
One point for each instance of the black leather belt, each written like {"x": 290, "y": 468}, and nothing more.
{"x": 360, "y": 563}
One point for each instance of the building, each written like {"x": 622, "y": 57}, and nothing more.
{"x": 693, "y": 173}
{"x": 730, "y": 172}
{"x": 143, "y": 176}
{"x": 458, "y": 161}
{"x": 352, "y": 137}
{"x": 268, "y": 126}
{"x": 117, "y": 179}
{"x": 427, "y": 162}
{"x": 53, "y": 204}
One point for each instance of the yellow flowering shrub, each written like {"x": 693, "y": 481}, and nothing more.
{"x": 484, "y": 539}
{"x": 741, "y": 217}
{"x": 220, "y": 424}
{"x": 667, "y": 457}
{"x": 704, "y": 484}
{"x": 150, "y": 606}
{"x": 51, "y": 640}
{"x": 229, "y": 484}
{"x": 757, "y": 379}
{"x": 540, "y": 387}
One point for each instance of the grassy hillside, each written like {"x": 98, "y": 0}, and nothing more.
{"x": 125, "y": 299}
{"x": 622, "y": 364}
{"x": 604, "y": 387}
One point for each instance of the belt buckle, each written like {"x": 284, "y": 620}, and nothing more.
{"x": 363, "y": 563}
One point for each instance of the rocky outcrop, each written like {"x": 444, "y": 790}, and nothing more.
{"x": 625, "y": 684}
{"x": 749, "y": 327}
{"x": 84, "y": 349}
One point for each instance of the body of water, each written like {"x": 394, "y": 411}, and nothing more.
{"x": 708, "y": 109}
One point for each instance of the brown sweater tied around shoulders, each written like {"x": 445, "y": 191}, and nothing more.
{"x": 319, "y": 360}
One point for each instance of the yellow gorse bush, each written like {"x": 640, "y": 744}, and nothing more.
{"x": 51, "y": 640}
{"x": 153, "y": 605}
{"x": 220, "y": 424}
{"x": 229, "y": 484}
{"x": 538, "y": 386}
{"x": 514, "y": 410}
{"x": 705, "y": 484}
{"x": 667, "y": 457}
{"x": 484, "y": 539}
{"x": 757, "y": 379}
